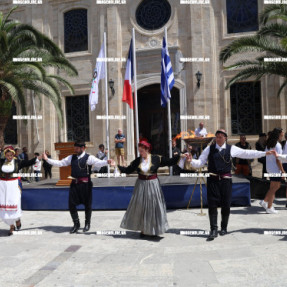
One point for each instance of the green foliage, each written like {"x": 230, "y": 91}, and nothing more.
{"x": 19, "y": 40}
{"x": 269, "y": 42}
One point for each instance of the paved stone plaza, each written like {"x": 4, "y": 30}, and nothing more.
{"x": 44, "y": 254}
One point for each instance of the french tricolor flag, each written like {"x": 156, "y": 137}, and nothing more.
{"x": 128, "y": 93}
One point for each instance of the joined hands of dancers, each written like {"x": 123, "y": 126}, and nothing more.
{"x": 189, "y": 156}
{"x": 111, "y": 162}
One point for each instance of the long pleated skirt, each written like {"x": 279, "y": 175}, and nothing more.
{"x": 147, "y": 209}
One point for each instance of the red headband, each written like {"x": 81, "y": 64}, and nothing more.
{"x": 145, "y": 144}
{"x": 9, "y": 148}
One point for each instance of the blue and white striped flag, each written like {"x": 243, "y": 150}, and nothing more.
{"x": 167, "y": 78}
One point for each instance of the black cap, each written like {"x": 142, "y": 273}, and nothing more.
{"x": 80, "y": 144}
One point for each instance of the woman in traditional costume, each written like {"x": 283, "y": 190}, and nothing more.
{"x": 10, "y": 188}
{"x": 147, "y": 209}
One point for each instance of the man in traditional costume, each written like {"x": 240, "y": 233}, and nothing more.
{"x": 81, "y": 186}
{"x": 219, "y": 183}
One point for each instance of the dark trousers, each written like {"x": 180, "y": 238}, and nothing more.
{"x": 37, "y": 175}
{"x": 176, "y": 170}
{"x": 48, "y": 171}
{"x": 219, "y": 195}
{"x": 81, "y": 194}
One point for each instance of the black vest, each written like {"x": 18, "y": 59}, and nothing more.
{"x": 80, "y": 167}
{"x": 219, "y": 162}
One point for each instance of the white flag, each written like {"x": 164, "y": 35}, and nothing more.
{"x": 99, "y": 73}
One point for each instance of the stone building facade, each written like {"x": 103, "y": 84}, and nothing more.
{"x": 194, "y": 31}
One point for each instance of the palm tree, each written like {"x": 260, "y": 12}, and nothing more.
{"x": 270, "y": 42}
{"x": 18, "y": 40}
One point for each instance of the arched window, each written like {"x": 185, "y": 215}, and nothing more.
{"x": 242, "y": 16}
{"x": 245, "y": 100}
{"x": 76, "y": 31}
{"x": 153, "y": 14}
{"x": 77, "y": 116}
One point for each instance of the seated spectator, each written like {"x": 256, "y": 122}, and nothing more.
{"x": 201, "y": 131}
{"x": 102, "y": 155}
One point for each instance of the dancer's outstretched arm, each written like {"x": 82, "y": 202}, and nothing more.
{"x": 64, "y": 162}
{"x": 247, "y": 154}
{"x": 26, "y": 163}
{"x": 92, "y": 160}
{"x": 131, "y": 168}
{"x": 197, "y": 163}
{"x": 165, "y": 161}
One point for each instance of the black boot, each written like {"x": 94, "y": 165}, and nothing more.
{"x": 224, "y": 222}
{"x": 213, "y": 224}
{"x": 88, "y": 215}
{"x": 76, "y": 221}
{"x": 87, "y": 226}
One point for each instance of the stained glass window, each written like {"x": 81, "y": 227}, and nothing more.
{"x": 77, "y": 116}
{"x": 76, "y": 30}
{"x": 245, "y": 100}
{"x": 153, "y": 14}
{"x": 242, "y": 16}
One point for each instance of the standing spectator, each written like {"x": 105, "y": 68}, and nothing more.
{"x": 201, "y": 131}
{"x": 261, "y": 145}
{"x": 284, "y": 151}
{"x": 24, "y": 156}
{"x": 37, "y": 166}
{"x": 243, "y": 166}
{"x": 120, "y": 139}
{"x": 17, "y": 153}
{"x": 175, "y": 152}
{"x": 102, "y": 155}
{"x": 47, "y": 167}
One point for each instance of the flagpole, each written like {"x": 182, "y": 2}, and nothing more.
{"x": 135, "y": 91}
{"x": 169, "y": 116}
{"x": 107, "y": 102}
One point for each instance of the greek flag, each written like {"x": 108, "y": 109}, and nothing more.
{"x": 167, "y": 78}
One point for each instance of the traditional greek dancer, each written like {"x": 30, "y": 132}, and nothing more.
{"x": 81, "y": 186}
{"x": 275, "y": 168}
{"x": 219, "y": 184}
{"x": 10, "y": 188}
{"x": 146, "y": 211}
